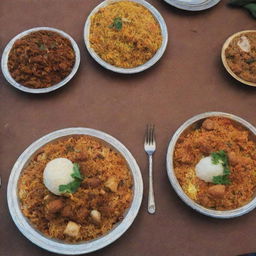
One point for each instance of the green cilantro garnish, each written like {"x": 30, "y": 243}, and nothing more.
{"x": 42, "y": 47}
{"x": 117, "y": 23}
{"x": 76, "y": 172}
{"x": 74, "y": 185}
{"x": 220, "y": 157}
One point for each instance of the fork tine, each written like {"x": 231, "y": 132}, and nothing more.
{"x": 151, "y": 134}
{"x": 148, "y": 134}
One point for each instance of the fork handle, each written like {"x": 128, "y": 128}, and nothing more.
{"x": 151, "y": 199}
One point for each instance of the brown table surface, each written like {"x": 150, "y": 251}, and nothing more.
{"x": 188, "y": 80}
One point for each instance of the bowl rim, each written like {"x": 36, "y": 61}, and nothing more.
{"x": 12, "y": 81}
{"x": 57, "y": 246}
{"x": 224, "y": 59}
{"x": 175, "y": 184}
{"x": 192, "y": 7}
{"x": 137, "y": 69}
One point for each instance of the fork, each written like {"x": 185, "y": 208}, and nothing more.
{"x": 150, "y": 147}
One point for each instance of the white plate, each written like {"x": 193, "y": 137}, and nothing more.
{"x": 192, "y": 5}
{"x": 58, "y": 246}
{"x": 140, "y": 68}
{"x": 9, "y": 78}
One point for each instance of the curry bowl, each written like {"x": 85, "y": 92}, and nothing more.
{"x": 55, "y": 245}
{"x": 194, "y": 141}
{"x": 41, "y": 47}
{"x": 119, "y": 24}
{"x": 246, "y": 62}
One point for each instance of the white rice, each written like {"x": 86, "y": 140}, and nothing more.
{"x": 57, "y": 172}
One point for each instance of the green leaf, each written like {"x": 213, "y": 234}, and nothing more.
{"x": 221, "y": 157}
{"x": 240, "y": 2}
{"x": 42, "y": 47}
{"x": 70, "y": 187}
{"x": 250, "y": 61}
{"x": 76, "y": 172}
{"x": 74, "y": 185}
{"x": 251, "y": 8}
{"x": 117, "y": 23}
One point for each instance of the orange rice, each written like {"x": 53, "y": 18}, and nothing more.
{"x": 98, "y": 161}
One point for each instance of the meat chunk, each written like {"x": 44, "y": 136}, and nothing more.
{"x": 112, "y": 184}
{"x": 92, "y": 182}
{"x": 72, "y": 229}
{"x": 82, "y": 214}
{"x": 208, "y": 124}
{"x": 217, "y": 191}
{"x": 55, "y": 206}
{"x": 67, "y": 211}
{"x": 232, "y": 158}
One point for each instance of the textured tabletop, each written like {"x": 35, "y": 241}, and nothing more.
{"x": 188, "y": 80}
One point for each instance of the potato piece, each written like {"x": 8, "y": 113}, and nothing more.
{"x": 96, "y": 216}
{"x": 72, "y": 229}
{"x": 217, "y": 191}
{"x": 112, "y": 184}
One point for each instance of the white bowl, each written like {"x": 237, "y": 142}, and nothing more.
{"x": 55, "y": 245}
{"x": 9, "y": 78}
{"x": 137, "y": 69}
{"x": 193, "y": 123}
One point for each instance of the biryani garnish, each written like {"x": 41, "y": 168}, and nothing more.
{"x": 125, "y": 34}
{"x": 75, "y": 189}
{"x": 41, "y": 59}
{"x": 216, "y": 164}
{"x": 241, "y": 56}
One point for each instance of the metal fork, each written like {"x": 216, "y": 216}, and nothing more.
{"x": 150, "y": 147}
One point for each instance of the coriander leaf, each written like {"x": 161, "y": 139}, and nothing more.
{"x": 250, "y": 61}
{"x": 74, "y": 185}
{"x": 220, "y": 157}
{"x": 42, "y": 47}
{"x": 117, "y": 23}
{"x": 70, "y": 187}
{"x": 76, "y": 172}
{"x": 221, "y": 179}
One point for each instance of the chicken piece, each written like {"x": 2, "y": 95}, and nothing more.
{"x": 92, "y": 182}
{"x": 72, "y": 229}
{"x": 112, "y": 184}
{"x": 55, "y": 206}
{"x": 208, "y": 124}
{"x": 232, "y": 158}
{"x": 217, "y": 191}
{"x": 107, "y": 211}
{"x": 82, "y": 214}
{"x": 96, "y": 216}
{"x": 67, "y": 211}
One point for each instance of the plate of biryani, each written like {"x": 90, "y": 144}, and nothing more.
{"x": 239, "y": 56}
{"x": 211, "y": 164}
{"x": 74, "y": 191}
{"x": 125, "y": 36}
{"x": 40, "y": 60}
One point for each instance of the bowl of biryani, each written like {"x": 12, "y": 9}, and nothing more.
{"x": 239, "y": 56}
{"x": 211, "y": 163}
{"x": 86, "y": 213}
{"x": 40, "y": 60}
{"x": 125, "y": 36}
